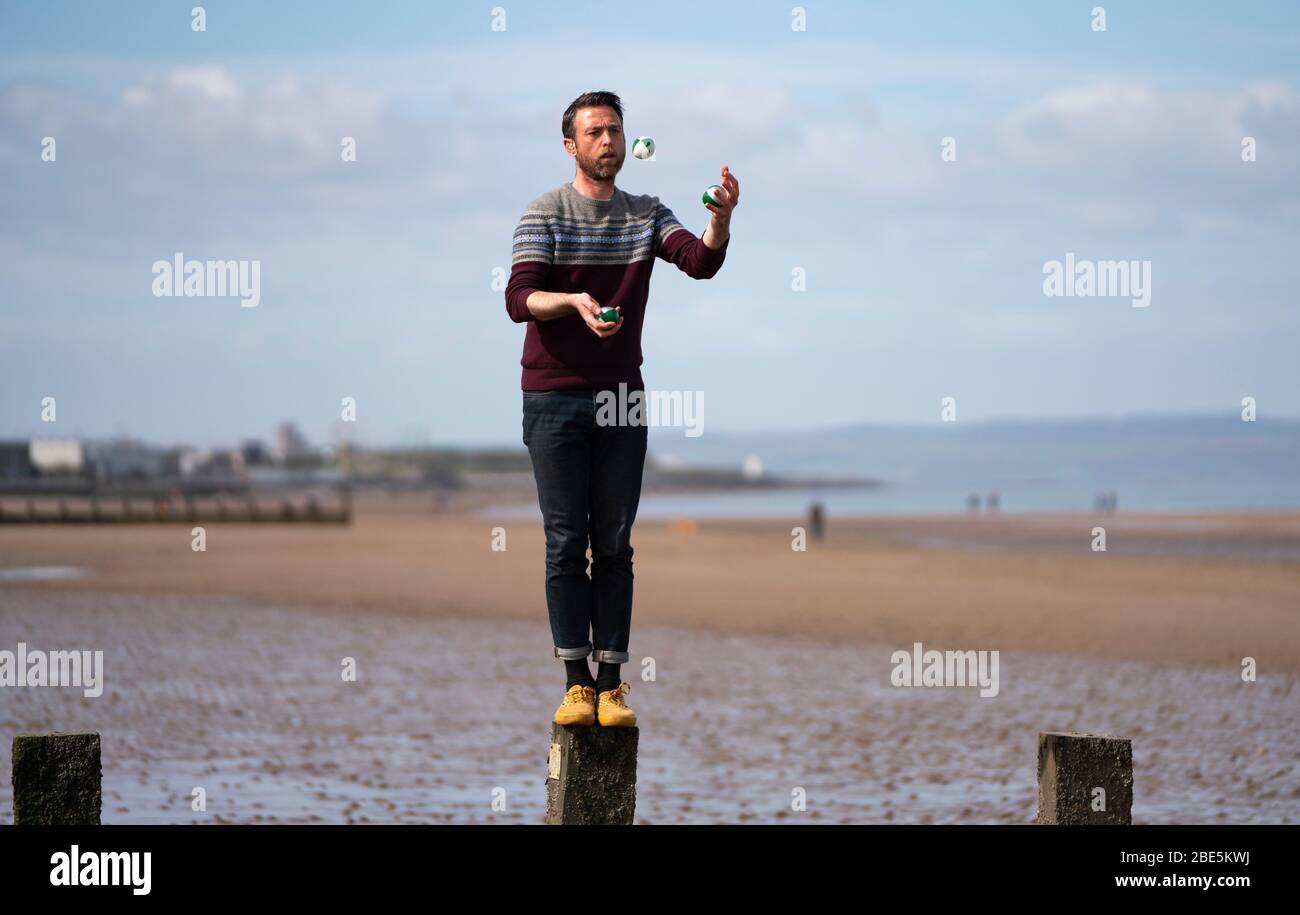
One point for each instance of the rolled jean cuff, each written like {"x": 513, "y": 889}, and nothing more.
{"x": 572, "y": 654}
{"x": 610, "y": 657}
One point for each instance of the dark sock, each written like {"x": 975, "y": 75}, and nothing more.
{"x": 607, "y": 676}
{"x": 578, "y": 671}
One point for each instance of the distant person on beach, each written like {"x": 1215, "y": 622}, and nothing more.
{"x": 817, "y": 520}
{"x": 580, "y": 249}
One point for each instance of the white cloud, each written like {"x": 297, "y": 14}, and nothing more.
{"x": 213, "y": 82}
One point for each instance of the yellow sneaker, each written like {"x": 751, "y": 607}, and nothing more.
{"x": 578, "y": 707}
{"x": 610, "y": 708}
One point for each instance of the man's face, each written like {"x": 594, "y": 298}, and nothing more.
{"x": 598, "y": 136}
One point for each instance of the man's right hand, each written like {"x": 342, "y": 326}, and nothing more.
{"x": 590, "y": 311}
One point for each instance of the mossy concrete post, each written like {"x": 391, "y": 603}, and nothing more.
{"x": 1084, "y": 779}
{"x": 57, "y": 779}
{"x": 591, "y": 776}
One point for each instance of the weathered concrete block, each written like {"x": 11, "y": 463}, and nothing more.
{"x": 1071, "y": 769}
{"x": 57, "y": 779}
{"x": 591, "y": 777}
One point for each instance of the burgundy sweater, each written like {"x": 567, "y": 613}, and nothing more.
{"x": 568, "y": 242}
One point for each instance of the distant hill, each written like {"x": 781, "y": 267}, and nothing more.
{"x": 1142, "y": 450}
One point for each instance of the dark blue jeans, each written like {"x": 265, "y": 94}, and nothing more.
{"x": 588, "y": 486}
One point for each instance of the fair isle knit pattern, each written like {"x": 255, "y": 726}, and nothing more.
{"x": 554, "y": 229}
{"x": 568, "y": 242}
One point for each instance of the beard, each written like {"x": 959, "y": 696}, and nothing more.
{"x": 598, "y": 169}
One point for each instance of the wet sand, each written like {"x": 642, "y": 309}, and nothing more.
{"x": 246, "y": 700}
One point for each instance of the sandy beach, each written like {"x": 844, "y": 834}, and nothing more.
{"x": 1026, "y": 583}
{"x": 772, "y": 666}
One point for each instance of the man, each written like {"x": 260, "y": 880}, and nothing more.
{"x": 579, "y": 249}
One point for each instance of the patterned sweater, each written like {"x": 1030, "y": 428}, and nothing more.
{"x": 569, "y": 242}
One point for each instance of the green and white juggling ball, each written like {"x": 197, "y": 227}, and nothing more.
{"x": 609, "y": 314}
{"x": 643, "y": 147}
{"x": 712, "y": 196}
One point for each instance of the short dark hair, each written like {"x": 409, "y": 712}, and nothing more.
{"x": 589, "y": 100}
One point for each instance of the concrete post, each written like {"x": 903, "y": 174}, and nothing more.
{"x": 57, "y": 779}
{"x": 1077, "y": 773}
{"x": 591, "y": 776}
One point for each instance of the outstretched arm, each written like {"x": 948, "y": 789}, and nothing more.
{"x": 699, "y": 258}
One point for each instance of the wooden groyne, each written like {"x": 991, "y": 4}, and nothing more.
{"x": 126, "y": 508}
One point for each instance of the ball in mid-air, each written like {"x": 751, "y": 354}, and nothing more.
{"x": 643, "y": 147}
{"x": 712, "y": 195}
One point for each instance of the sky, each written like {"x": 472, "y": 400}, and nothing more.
{"x": 382, "y": 279}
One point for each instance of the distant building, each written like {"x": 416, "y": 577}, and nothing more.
{"x": 289, "y": 445}
{"x": 16, "y": 461}
{"x": 126, "y": 459}
{"x": 752, "y": 469}
{"x": 171, "y": 458}
{"x": 193, "y": 460}
{"x": 57, "y": 456}
{"x": 210, "y": 463}
{"x": 345, "y": 453}
{"x": 254, "y": 453}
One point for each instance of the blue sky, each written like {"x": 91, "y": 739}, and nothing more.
{"x": 924, "y": 277}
